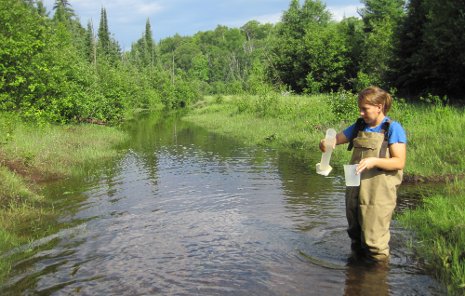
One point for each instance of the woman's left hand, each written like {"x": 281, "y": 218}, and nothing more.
{"x": 367, "y": 164}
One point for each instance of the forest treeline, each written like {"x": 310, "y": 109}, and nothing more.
{"x": 52, "y": 69}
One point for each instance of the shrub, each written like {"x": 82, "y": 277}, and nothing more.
{"x": 343, "y": 105}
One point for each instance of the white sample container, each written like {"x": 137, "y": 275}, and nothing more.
{"x": 351, "y": 176}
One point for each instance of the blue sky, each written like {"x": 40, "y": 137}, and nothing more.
{"x": 126, "y": 18}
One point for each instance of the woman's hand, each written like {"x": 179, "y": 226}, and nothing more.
{"x": 340, "y": 139}
{"x": 395, "y": 162}
{"x": 322, "y": 145}
{"x": 367, "y": 164}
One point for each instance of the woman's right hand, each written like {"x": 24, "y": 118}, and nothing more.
{"x": 322, "y": 145}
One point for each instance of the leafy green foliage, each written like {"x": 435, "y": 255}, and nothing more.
{"x": 325, "y": 55}
{"x": 54, "y": 70}
{"x": 431, "y": 50}
{"x": 289, "y": 61}
{"x": 44, "y": 77}
{"x": 343, "y": 106}
{"x": 310, "y": 50}
{"x": 381, "y": 19}
{"x": 351, "y": 30}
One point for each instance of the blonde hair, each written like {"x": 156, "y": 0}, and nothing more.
{"x": 374, "y": 95}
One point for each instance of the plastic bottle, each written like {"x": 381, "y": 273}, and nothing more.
{"x": 323, "y": 168}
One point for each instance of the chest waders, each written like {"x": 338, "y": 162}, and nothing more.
{"x": 370, "y": 206}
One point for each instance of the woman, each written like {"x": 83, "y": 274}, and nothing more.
{"x": 379, "y": 149}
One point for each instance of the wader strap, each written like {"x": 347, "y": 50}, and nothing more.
{"x": 384, "y": 145}
{"x": 359, "y": 126}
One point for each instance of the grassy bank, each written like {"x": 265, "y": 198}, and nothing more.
{"x": 31, "y": 155}
{"x": 434, "y": 149}
{"x": 435, "y": 154}
{"x": 440, "y": 234}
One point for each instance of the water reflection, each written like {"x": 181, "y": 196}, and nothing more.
{"x": 367, "y": 279}
{"x": 186, "y": 212}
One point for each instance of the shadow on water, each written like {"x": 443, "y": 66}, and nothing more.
{"x": 187, "y": 212}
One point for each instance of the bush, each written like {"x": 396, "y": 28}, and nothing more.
{"x": 343, "y": 105}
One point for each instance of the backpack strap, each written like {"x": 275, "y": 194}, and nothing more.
{"x": 385, "y": 130}
{"x": 359, "y": 126}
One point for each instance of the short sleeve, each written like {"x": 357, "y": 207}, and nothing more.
{"x": 349, "y": 131}
{"x": 396, "y": 133}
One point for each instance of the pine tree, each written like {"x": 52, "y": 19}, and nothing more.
{"x": 63, "y": 11}
{"x": 103, "y": 34}
{"x": 91, "y": 45}
{"x": 377, "y": 11}
{"x": 106, "y": 46}
{"x": 41, "y": 10}
{"x": 149, "y": 44}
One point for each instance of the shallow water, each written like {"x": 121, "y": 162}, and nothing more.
{"x": 186, "y": 212}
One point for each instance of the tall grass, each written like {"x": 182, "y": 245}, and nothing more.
{"x": 13, "y": 189}
{"x": 435, "y": 146}
{"x": 265, "y": 120}
{"x": 440, "y": 228}
{"x": 32, "y": 154}
{"x": 54, "y": 150}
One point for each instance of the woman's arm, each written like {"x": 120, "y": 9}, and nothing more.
{"x": 398, "y": 152}
{"x": 341, "y": 139}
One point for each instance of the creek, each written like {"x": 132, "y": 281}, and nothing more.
{"x": 187, "y": 212}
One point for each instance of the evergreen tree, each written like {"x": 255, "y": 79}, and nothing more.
{"x": 103, "y": 34}
{"x": 63, "y": 11}
{"x": 149, "y": 44}
{"x": 107, "y": 47}
{"x": 41, "y": 10}
{"x": 377, "y": 11}
{"x": 91, "y": 43}
{"x": 406, "y": 74}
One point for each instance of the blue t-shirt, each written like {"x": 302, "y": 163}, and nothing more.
{"x": 396, "y": 132}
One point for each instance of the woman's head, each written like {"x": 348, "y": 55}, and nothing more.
{"x": 375, "y": 96}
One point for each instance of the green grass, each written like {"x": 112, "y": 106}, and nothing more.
{"x": 55, "y": 150}
{"x": 435, "y": 147}
{"x": 31, "y": 155}
{"x": 286, "y": 122}
{"x": 435, "y": 144}
{"x": 439, "y": 225}
{"x": 13, "y": 189}
{"x": 435, "y": 152}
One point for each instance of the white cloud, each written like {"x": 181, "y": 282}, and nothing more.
{"x": 128, "y": 8}
{"x": 127, "y": 18}
{"x": 269, "y": 18}
{"x": 263, "y": 19}
{"x": 148, "y": 8}
{"x": 339, "y": 12}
